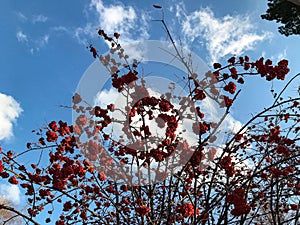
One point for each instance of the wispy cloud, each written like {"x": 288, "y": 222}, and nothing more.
{"x": 132, "y": 24}
{"x": 39, "y": 18}
{"x": 59, "y": 29}
{"x": 10, "y": 111}
{"x": 34, "y": 44}
{"x": 275, "y": 57}
{"x": 22, "y": 17}
{"x": 21, "y": 36}
{"x": 223, "y": 36}
{"x": 280, "y": 56}
{"x": 83, "y": 34}
{"x": 39, "y": 43}
{"x": 42, "y": 41}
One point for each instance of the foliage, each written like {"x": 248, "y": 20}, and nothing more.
{"x": 285, "y": 12}
{"x": 94, "y": 177}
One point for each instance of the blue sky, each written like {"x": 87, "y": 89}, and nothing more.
{"x": 44, "y": 53}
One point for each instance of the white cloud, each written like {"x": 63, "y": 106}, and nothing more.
{"x": 214, "y": 113}
{"x": 131, "y": 24}
{"x": 106, "y": 97}
{"x": 10, "y": 110}
{"x": 232, "y": 124}
{"x": 113, "y": 17}
{"x": 39, "y": 18}
{"x": 11, "y": 193}
{"x": 223, "y": 36}
{"x": 21, "y": 37}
